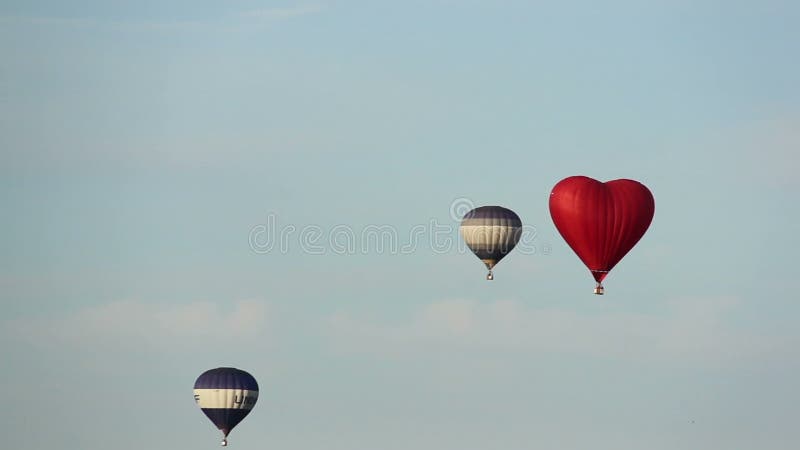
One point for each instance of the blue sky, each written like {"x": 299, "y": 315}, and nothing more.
{"x": 143, "y": 143}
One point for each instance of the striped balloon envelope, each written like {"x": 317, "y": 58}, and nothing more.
{"x": 491, "y": 232}
{"x": 226, "y": 395}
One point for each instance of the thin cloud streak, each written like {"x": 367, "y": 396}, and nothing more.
{"x": 132, "y": 324}
{"x": 694, "y": 332}
{"x": 227, "y": 22}
{"x": 92, "y": 22}
{"x": 283, "y": 13}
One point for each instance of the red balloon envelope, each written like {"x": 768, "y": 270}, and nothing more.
{"x": 601, "y": 221}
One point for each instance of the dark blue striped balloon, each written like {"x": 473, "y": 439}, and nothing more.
{"x": 226, "y": 395}
{"x": 491, "y": 232}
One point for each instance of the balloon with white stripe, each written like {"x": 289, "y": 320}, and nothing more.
{"x": 491, "y": 232}
{"x": 226, "y": 395}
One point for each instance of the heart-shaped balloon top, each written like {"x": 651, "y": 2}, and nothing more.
{"x": 601, "y": 221}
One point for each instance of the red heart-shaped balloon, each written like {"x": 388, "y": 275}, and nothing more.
{"x": 601, "y": 221}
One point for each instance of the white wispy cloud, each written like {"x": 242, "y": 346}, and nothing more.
{"x": 132, "y": 323}
{"x": 227, "y": 22}
{"x": 693, "y": 330}
{"x": 283, "y": 13}
{"x": 764, "y": 150}
{"x": 772, "y": 148}
{"x": 104, "y": 23}
{"x": 47, "y": 20}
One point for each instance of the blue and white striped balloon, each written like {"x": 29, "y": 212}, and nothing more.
{"x": 491, "y": 232}
{"x": 226, "y": 395}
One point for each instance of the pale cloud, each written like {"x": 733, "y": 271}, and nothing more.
{"x": 693, "y": 330}
{"x": 767, "y": 150}
{"x": 138, "y": 323}
{"x": 283, "y": 13}
{"x": 104, "y": 23}
{"x": 224, "y": 22}
{"x": 48, "y": 21}
{"x": 773, "y": 149}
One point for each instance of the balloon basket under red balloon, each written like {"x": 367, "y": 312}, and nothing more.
{"x": 224, "y": 442}
{"x": 598, "y": 290}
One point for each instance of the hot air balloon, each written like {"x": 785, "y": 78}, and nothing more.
{"x": 226, "y": 395}
{"x": 491, "y": 232}
{"x": 601, "y": 221}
